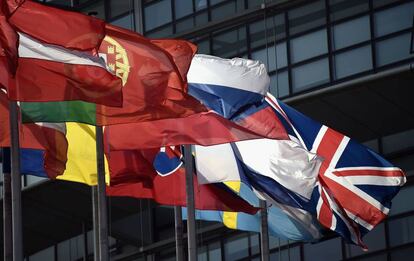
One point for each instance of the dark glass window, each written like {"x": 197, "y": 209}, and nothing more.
{"x": 406, "y": 163}
{"x": 223, "y": 11}
{"x": 393, "y": 50}
{"x": 401, "y": 231}
{"x": 98, "y": 7}
{"x": 118, "y": 7}
{"x": 394, "y": 19}
{"x": 308, "y": 46}
{"x": 310, "y": 75}
{"x": 230, "y": 44}
{"x": 214, "y": 251}
{"x": 307, "y": 17}
{"x": 161, "y": 33}
{"x": 236, "y": 248}
{"x": 325, "y": 250}
{"x": 200, "y": 4}
{"x": 400, "y": 204}
{"x": 340, "y": 9}
{"x": 353, "y": 61}
{"x": 399, "y": 141}
{"x": 375, "y": 240}
{"x": 279, "y": 84}
{"x": 350, "y": 32}
{"x": 292, "y": 254}
{"x": 125, "y": 22}
{"x": 183, "y": 8}
{"x": 402, "y": 254}
{"x": 157, "y": 14}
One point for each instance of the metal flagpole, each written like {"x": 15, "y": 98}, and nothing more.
{"x": 102, "y": 208}
{"x": 178, "y": 233}
{"x": 16, "y": 185}
{"x": 94, "y": 192}
{"x": 264, "y": 232}
{"x": 191, "y": 228}
{"x": 7, "y": 215}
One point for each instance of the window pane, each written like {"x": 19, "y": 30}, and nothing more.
{"x": 201, "y": 19}
{"x": 402, "y": 254}
{"x": 202, "y": 253}
{"x": 254, "y": 243}
{"x": 394, "y": 19}
{"x": 223, "y": 11}
{"x": 279, "y": 84}
{"x": 401, "y": 231}
{"x": 230, "y": 44}
{"x": 375, "y": 240}
{"x": 47, "y": 254}
{"x": 200, "y": 4}
{"x": 185, "y": 24}
{"x": 397, "y": 142}
{"x": 204, "y": 47}
{"x": 310, "y": 75}
{"x": 125, "y": 22}
{"x": 307, "y": 17}
{"x": 351, "y": 32}
{"x": 183, "y": 8}
{"x": 393, "y": 50}
{"x": 344, "y": 8}
{"x": 308, "y": 46}
{"x": 214, "y": 251}
{"x": 291, "y": 254}
{"x": 326, "y": 250}
{"x": 406, "y": 163}
{"x": 98, "y": 7}
{"x": 275, "y": 30}
{"x": 400, "y": 204}
{"x": 157, "y": 14}
{"x": 236, "y": 248}
{"x": 268, "y": 57}
{"x": 118, "y": 7}
{"x": 352, "y": 62}
{"x": 161, "y": 33}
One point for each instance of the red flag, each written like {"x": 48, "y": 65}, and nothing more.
{"x": 153, "y": 84}
{"x": 133, "y": 175}
{"x": 48, "y": 137}
{"x": 58, "y": 59}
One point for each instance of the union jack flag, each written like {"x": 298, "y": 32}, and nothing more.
{"x": 355, "y": 185}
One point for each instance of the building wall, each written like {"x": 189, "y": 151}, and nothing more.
{"x": 306, "y": 45}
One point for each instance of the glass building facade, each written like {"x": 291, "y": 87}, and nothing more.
{"x": 310, "y": 48}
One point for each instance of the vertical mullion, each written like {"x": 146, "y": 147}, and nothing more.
{"x": 329, "y": 38}
{"x": 372, "y": 34}
{"x": 289, "y": 66}
{"x": 174, "y": 30}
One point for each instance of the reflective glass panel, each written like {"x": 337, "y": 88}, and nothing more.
{"x": 214, "y": 251}
{"x": 236, "y": 248}
{"x": 269, "y": 57}
{"x": 98, "y": 7}
{"x": 230, "y": 44}
{"x": 325, "y": 250}
{"x": 351, "y": 32}
{"x": 291, "y": 254}
{"x": 47, "y": 254}
{"x": 279, "y": 84}
{"x": 118, "y": 7}
{"x": 344, "y": 8}
{"x": 406, "y": 163}
{"x": 393, "y": 50}
{"x": 399, "y": 141}
{"x": 310, "y": 75}
{"x": 200, "y": 4}
{"x": 183, "y": 8}
{"x": 254, "y": 244}
{"x": 400, "y": 203}
{"x": 201, "y": 19}
{"x": 157, "y": 14}
{"x": 308, "y": 46}
{"x": 401, "y": 231}
{"x": 394, "y": 19}
{"x": 203, "y": 46}
{"x": 161, "y": 33}
{"x": 375, "y": 240}
{"x": 307, "y": 17}
{"x": 125, "y": 22}
{"x": 184, "y": 25}
{"x": 402, "y": 254}
{"x": 275, "y": 31}
{"x": 223, "y": 11}
{"x": 353, "y": 61}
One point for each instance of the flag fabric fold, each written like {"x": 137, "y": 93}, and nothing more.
{"x": 60, "y": 63}
{"x": 158, "y": 174}
{"x": 153, "y": 77}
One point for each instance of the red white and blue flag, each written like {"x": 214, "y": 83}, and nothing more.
{"x": 355, "y": 185}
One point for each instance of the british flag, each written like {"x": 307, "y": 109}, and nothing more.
{"x": 355, "y": 185}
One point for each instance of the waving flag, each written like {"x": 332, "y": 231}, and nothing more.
{"x": 354, "y": 185}
{"x": 207, "y": 128}
{"x": 57, "y": 57}
{"x": 158, "y": 174}
{"x": 153, "y": 77}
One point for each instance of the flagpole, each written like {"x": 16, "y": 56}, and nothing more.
{"x": 178, "y": 233}
{"x": 16, "y": 185}
{"x": 102, "y": 208}
{"x": 94, "y": 192}
{"x": 264, "y": 232}
{"x": 7, "y": 215}
{"x": 191, "y": 229}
